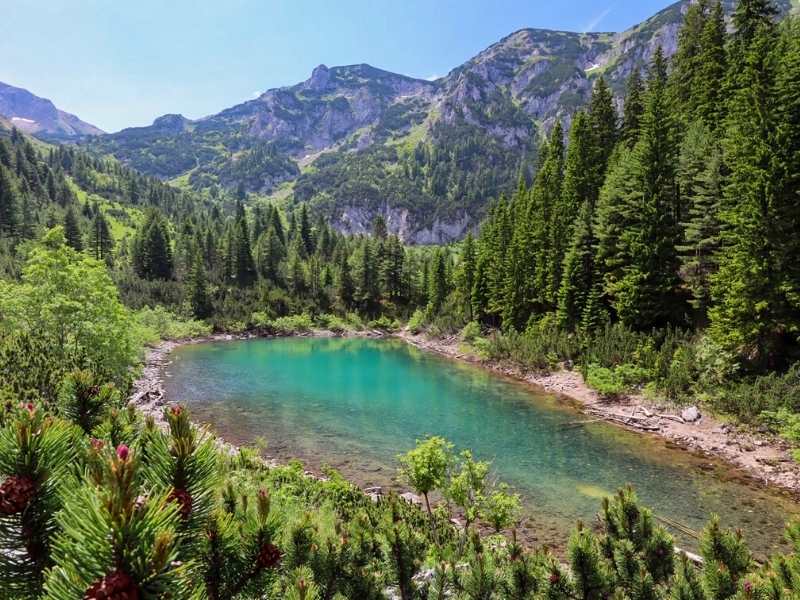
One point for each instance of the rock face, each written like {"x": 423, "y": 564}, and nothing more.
{"x": 358, "y": 141}
{"x": 39, "y": 116}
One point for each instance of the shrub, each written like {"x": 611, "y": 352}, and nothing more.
{"x": 384, "y": 323}
{"x": 608, "y": 382}
{"x": 471, "y": 332}
{"x": 417, "y": 321}
{"x": 162, "y": 324}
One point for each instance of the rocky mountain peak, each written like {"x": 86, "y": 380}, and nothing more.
{"x": 320, "y": 77}
{"x": 40, "y": 116}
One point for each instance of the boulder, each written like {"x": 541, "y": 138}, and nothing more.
{"x": 690, "y": 414}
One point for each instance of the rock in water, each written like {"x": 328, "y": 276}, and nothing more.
{"x": 691, "y": 414}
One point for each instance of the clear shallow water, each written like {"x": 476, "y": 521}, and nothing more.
{"x": 355, "y": 404}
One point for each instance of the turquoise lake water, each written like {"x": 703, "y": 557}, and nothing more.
{"x": 356, "y": 403}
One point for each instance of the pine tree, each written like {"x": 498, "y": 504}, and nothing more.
{"x": 633, "y": 109}
{"x": 199, "y": 298}
{"x": 749, "y": 17}
{"x": 466, "y": 278}
{"x": 244, "y": 268}
{"x": 9, "y": 206}
{"x": 712, "y": 67}
{"x": 700, "y": 181}
{"x": 152, "y": 251}
{"x": 686, "y": 63}
{"x": 578, "y": 279}
{"x": 638, "y": 228}
{"x": 578, "y": 187}
{"x": 36, "y": 455}
{"x": 305, "y": 231}
{"x": 438, "y": 283}
{"x": 269, "y": 255}
{"x": 101, "y": 243}
{"x": 750, "y": 308}
{"x": 72, "y": 229}
{"x": 603, "y": 121}
{"x": 346, "y": 287}
{"x": 367, "y": 288}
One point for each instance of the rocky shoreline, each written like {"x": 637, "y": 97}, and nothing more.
{"x": 765, "y": 459}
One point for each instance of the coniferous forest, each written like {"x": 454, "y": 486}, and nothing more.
{"x": 653, "y": 246}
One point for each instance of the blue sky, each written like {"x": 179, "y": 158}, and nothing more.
{"x": 121, "y": 63}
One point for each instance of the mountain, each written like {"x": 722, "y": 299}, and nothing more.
{"x": 356, "y": 141}
{"x": 40, "y": 117}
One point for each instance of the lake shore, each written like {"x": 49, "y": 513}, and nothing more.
{"x": 765, "y": 459}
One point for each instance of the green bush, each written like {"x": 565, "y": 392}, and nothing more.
{"x": 417, "y": 321}
{"x": 609, "y": 383}
{"x": 384, "y": 323}
{"x": 471, "y": 332}
{"x": 160, "y": 323}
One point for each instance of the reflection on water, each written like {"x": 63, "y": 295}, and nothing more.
{"x": 355, "y": 404}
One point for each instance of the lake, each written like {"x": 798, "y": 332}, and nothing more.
{"x": 355, "y": 404}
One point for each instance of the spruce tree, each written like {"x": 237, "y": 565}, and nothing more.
{"x": 578, "y": 277}
{"x": 199, "y": 298}
{"x": 466, "y": 279}
{"x": 101, "y": 243}
{"x": 750, "y": 16}
{"x": 152, "y": 250}
{"x": 244, "y": 267}
{"x": 712, "y": 67}
{"x": 638, "y": 231}
{"x": 72, "y": 229}
{"x": 9, "y": 206}
{"x": 346, "y": 287}
{"x": 578, "y": 187}
{"x": 438, "y": 283}
{"x": 756, "y": 309}
{"x": 701, "y": 182}
{"x": 633, "y": 108}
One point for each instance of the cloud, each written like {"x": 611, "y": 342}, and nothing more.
{"x": 433, "y": 77}
{"x": 597, "y": 19}
{"x": 256, "y": 94}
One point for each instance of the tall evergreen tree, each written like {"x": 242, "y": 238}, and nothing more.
{"x": 756, "y": 291}
{"x": 244, "y": 268}
{"x": 152, "y": 249}
{"x": 633, "y": 108}
{"x": 700, "y": 181}
{"x": 101, "y": 243}
{"x": 638, "y": 228}
{"x": 199, "y": 297}
{"x": 9, "y": 206}
{"x": 438, "y": 283}
{"x": 749, "y": 17}
{"x": 712, "y": 67}
{"x": 72, "y": 229}
{"x": 466, "y": 278}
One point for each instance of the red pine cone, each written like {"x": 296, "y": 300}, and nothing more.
{"x": 16, "y": 492}
{"x": 117, "y": 585}
{"x": 184, "y": 500}
{"x": 269, "y": 557}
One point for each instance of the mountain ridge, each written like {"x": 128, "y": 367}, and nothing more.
{"x": 357, "y": 140}
{"x": 39, "y": 116}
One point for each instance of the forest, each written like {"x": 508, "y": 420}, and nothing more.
{"x": 654, "y": 248}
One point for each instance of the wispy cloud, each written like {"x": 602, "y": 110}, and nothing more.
{"x": 597, "y": 19}
{"x": 256, "y": 94}
{"x": 433, "y": 77}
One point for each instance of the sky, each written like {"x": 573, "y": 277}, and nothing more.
{"x": 122, "y": 63}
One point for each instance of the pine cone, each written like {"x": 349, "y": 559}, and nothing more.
{"x": 117, "y": 585}
{"x": 184, "y": 500}
{"x": 16, "y": 492}
{"x": 269, "y": 557}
